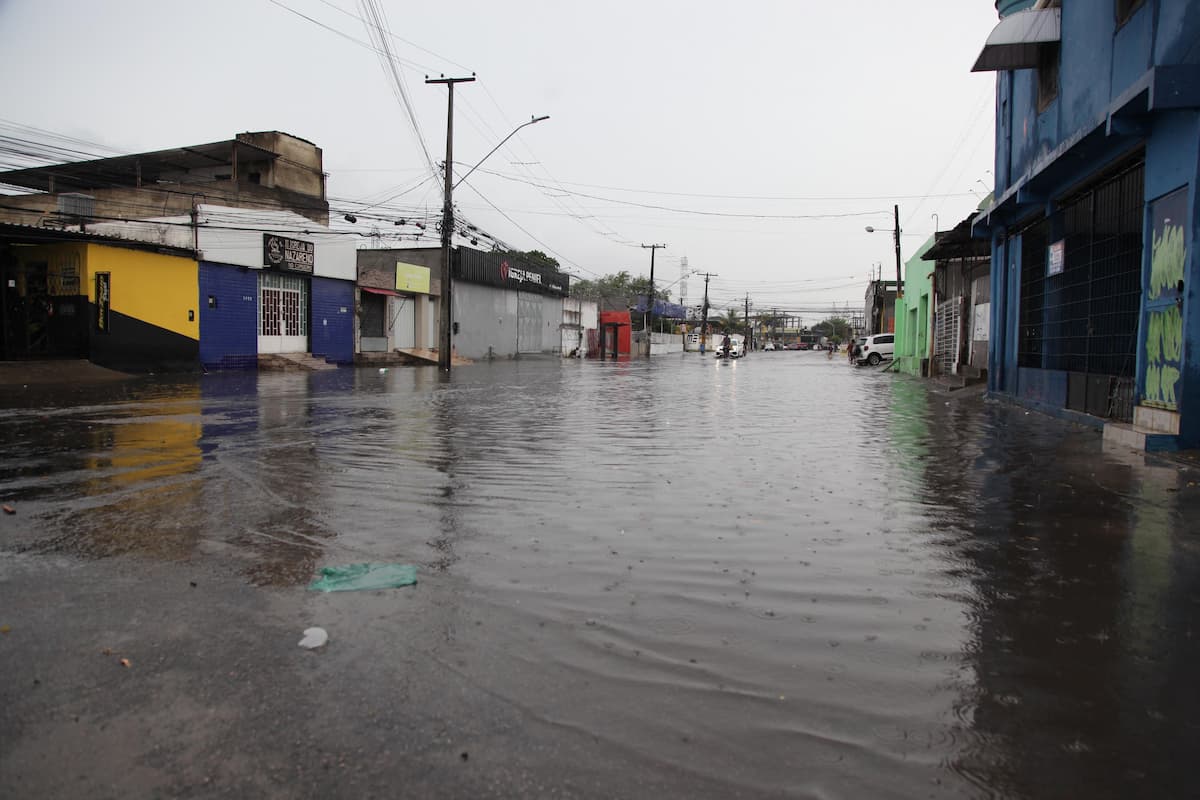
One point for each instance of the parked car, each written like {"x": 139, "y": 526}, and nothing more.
{"x": 795, "y": 346}
{"x": 877, "y": 348}
{"x": 768, "y": 346}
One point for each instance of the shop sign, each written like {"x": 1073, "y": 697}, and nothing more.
{"x": 508, "y": 273}
{"x": 1054, "y": 263}
{"x": 289, "y": 255}
{"x": 103, "y": 300}
{"x": 411, "y": 278}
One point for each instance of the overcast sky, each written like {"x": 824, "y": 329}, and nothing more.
{"x": 755, "y": 139}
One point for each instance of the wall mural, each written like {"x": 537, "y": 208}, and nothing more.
{"x": 1164, "y": 300}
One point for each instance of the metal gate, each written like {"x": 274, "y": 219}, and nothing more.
{"x": 282, "y": 313}
{"x": 529, "y": 323}
{"x": 946, "y": 336}
{"x": 1081, "y": 273}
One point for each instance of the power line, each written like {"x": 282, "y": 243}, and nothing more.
{"x": 831, "y": 215}
{"x": 388, "y": 61}
{"x": 779, "y": 198}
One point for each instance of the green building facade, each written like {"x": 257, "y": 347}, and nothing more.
{"x": 914, "y": 314}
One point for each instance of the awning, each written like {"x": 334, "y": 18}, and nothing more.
{"x": 1017, "y": 41}
{"x": 388, "y": 292}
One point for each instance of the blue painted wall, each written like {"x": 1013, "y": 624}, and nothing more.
{"x": 228, "y": 331}
{"x": 1085, "y": 85}
{"x": 1103, "y": 68}
{"x": 1174, "y": 152}
{"x": 1175, "y": 33}
{"x": 333, "y": 320}
{"x": 1099, "y": 62}
{"x": 1132, "y": 44}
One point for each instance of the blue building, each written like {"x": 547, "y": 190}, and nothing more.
{"x": 1095, "y": 312}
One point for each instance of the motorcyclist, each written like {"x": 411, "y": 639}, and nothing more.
{"x": 725, "y": 344}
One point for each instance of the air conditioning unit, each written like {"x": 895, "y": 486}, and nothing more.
{"x": 75, "y": 208}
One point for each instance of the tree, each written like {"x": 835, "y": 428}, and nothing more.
{"x": 770, "y": 322}
{"x": 731, "y": 321}
{"x": 620, "y": 287}
{"x": 835, "y": 328}
{"x": 535, "y": 257}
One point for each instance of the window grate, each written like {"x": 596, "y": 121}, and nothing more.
{"x": 1084, "y": 319}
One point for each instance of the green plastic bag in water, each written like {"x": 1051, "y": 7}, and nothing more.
{"x": 364, "y": 577}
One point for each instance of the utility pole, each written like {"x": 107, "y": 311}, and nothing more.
{"x": 652, "y": 248}
{"x": 447, "y": 222}
{"x": 749, "y": 330}
{"x": 896, "y": 231}
{"x": 704, "y": 310}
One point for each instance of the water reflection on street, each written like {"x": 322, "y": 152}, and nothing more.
{"x": 781, "y": 574}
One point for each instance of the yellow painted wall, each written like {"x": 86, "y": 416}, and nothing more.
{"x": 156, "y": 289}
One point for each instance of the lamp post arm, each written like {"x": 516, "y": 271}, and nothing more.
{"x": 497, "y": 147}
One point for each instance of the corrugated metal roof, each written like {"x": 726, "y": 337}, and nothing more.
{"x": 16, "y": 233}
{"x": 143, "y": 168}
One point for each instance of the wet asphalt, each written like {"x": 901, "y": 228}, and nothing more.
{"x": 778, "y": 577}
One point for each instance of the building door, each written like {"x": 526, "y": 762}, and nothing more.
{"x": 404, "y": 326}
{"x": 945, "y": 342}
{"x": 372, "y": 323}
{"x": 572, "y": 338}
{"x": 282, "y": 313}
{"x": 529, "y": 323}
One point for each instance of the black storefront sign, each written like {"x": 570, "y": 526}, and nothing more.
{"x": 103, "y": 300}
{"x": 289, "y": 255}
{"x": 508, "y": 272}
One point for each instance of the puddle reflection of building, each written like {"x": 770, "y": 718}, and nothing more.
{"x": 1081, "y": 663}
{"x": 142, "y": 482}
{"x": 272, "y": 483}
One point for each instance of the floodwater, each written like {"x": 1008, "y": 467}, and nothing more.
{"x": 781, "y": 576}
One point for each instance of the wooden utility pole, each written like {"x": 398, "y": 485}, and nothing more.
{"x": 652, "y": 248}
{"x": 749, "y": 330}
{"x": 896, "y": 230}
{"x": 704, "y": 310}
{"x": 447, "y": 223}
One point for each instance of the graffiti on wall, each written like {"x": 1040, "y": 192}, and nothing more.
{"x": 1164, "y": 296}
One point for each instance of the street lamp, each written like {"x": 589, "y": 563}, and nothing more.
{"x": 532, "y": 121}
{"x": 448, "y": 214}
{"x": 896, "y": 235}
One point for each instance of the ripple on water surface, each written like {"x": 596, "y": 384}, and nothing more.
{"x": 783, "y": 574}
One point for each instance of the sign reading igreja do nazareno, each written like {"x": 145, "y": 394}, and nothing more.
{"x": 290, "y": 255}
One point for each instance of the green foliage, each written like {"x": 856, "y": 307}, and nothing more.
{"x": 837, "y": 328}
{"x": 535, "y": 257}
{"x": 731, "y": 321}
{"x": 766, "y": 319}
{"x": 619, "y": 286}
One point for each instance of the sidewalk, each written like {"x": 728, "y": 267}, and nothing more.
{"x": 57, "y": 371}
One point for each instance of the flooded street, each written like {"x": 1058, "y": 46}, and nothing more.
{"x": 780, "y": 576}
